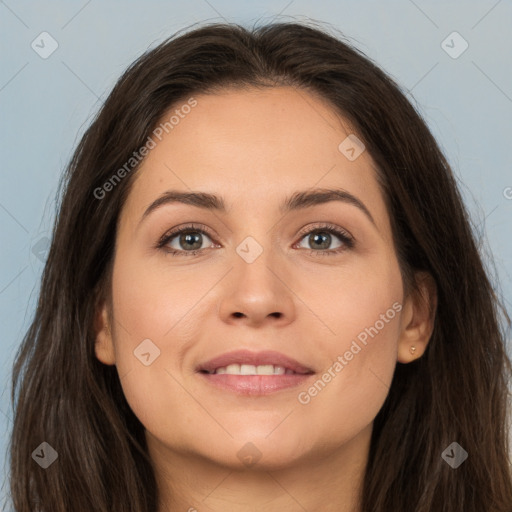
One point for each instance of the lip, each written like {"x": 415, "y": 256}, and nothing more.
{"x": 255, "y": 385}
{"x": 256, "y": 359}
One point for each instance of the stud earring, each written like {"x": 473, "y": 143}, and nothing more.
{"x": 412, "y": 349}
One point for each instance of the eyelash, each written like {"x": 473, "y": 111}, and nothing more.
{"x": 347, "y": 240}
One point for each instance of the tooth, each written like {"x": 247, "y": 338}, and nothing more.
{"x": 265, "y": 369}
{"x": 233, "y": 369}
{"x": 250, "y": 369}
{"x": 247, "y": 369}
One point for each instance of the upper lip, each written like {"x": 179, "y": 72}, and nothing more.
{"x": 254, "y": 358}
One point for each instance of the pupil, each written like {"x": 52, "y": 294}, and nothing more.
{"x": 187, "y": 238}
{"x": 325, "y": 237}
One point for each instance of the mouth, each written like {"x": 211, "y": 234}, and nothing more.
{"x": 251, "y": 369}
{"x": 254, "y": 373}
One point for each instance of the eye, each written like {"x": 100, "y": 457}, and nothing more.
{"x": 321, "y": 237}
{"x": 188, "y": 240}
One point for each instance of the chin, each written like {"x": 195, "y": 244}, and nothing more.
{"x": 258, "y": 452}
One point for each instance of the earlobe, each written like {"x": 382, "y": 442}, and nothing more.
{"x": 418, "y": 317}
{"x": 104, "y": 344}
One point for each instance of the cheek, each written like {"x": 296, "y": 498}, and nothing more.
{"x": 363, "y": 313}
{"x": 149, "y": 304}
{"x": 363, "y": 304}
{"x": 155, "y": 320}
{"x": 352, "y": 388}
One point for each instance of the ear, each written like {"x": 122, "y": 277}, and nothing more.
{"x": 418, "y": 318}
{"x": 104, "y": 344}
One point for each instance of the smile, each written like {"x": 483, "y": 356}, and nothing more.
{"x": 250, "y": 369}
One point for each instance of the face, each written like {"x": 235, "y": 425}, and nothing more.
{"x": 314, "y": 288}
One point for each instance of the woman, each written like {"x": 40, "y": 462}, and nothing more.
{"x": 195, "y": 349}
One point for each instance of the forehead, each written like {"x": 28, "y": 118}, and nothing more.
{"x": 254, "y": 147}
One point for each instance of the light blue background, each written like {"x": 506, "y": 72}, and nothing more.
{"x": 45, "y": 105}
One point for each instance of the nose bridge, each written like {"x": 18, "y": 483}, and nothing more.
{"x": 254, "y": 230}
{"x": 255, "y": 289}
{"x": 255, "y": 259}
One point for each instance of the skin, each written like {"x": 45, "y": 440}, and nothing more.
{"x": 254, "y": 148}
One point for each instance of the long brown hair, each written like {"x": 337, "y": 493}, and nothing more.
{"x": 456, "y": 392}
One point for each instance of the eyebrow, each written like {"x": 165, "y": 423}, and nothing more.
{"x": 297, "y": 201}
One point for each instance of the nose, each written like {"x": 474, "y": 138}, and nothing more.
{"x": 257, "y": 293}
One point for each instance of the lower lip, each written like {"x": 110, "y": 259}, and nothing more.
{"x": 255, "y": 384}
